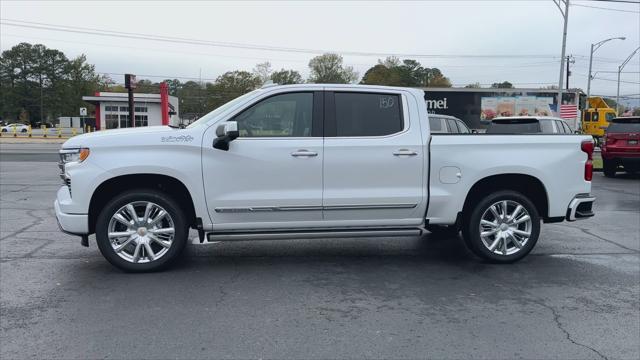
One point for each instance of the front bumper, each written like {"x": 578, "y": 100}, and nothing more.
{"x": 76, "y": 224}
{"x": 581, "y": 207}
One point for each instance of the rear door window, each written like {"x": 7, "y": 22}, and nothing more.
{"x": 436, "y": 124}
{"x": 547, "y": 127}
{"x": 367, "y": 114}
{"x": 453, "y": 128}
{"x": 463, "y": 128}
{"x": 560, "y": 127}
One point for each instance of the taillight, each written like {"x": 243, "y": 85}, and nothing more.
{"x": 587, "y": 146}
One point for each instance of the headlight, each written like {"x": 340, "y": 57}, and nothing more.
{"x": 74, "y": 155}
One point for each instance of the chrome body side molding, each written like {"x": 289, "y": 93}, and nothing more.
{"x": 246, "y": 209}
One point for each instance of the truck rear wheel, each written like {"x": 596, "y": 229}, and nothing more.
{"x": 503, "y": 227}
{"x": 141, "y": 230}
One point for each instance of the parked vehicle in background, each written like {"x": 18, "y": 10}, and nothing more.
{"x": 621, "y": 146}
{"x": 528, "y": 125}
{"x": 596, "y": 117}
{"x": 445, "y": 124}
{"x": 316, "y": 161}
{"x": 18, "y": 128}
{"x": 478, "y": 106}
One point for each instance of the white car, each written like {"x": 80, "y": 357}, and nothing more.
{"x": 316, "y": 161}
{"x": 21, "y": 128}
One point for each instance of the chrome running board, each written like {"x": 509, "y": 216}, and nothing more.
{"x": 310, "y": 234}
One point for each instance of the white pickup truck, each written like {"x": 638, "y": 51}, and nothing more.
{"x": 317, "y": 161}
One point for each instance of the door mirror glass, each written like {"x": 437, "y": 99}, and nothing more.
{"x": 225, "y": 133}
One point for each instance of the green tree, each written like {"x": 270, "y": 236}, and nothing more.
{"x": 475, "y": 85}
{"x": 263, "y": 71}
{"x": 174, "y": 86}
{"x": 502, "y": 85}
{"x": 329, "y": 69}
{"x": 39, "y": 84}
{"x": 193, "y": 100}
{"x": 408, "y": 72}
{"x": 229, "y": 86}
{"x": 435, "y": 78}
{"x": 382, "y": 75}
{"x": 285, "y": 77}
{"x": 80, "y": 80}
{"x": 145, "y": 86}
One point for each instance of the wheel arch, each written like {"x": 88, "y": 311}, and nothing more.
{"x": 119, "y": 184}
{"x": 528, "y": 185}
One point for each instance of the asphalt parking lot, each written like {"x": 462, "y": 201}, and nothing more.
{"x": 576, "y": 296}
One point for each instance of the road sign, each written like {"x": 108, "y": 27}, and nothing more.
{"x": 83, "y": 111}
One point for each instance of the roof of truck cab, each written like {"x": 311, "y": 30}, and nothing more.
{"x": 419, "y": 92}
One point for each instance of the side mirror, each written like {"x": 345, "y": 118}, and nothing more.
{"x": 225, "y": 132}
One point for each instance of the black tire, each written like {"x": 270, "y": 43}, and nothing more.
{"x": 172, "y": 208}
{"x": 471, "y": 227}
{"x": 23, "y": 130}
{"x": 609, "y": 168}
{"x": 4, "y": 130}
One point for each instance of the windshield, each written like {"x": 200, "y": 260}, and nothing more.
{"x": 222, "y": 109}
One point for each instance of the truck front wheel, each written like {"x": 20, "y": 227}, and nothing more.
{"x": 141, "y": 230}
{"x": 503, "y": 227}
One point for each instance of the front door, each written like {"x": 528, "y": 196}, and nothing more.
{"x": 271, "y": 176}
{"x": 373, "y": 168}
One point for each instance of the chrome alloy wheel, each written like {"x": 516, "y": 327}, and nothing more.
{"x": 141, "y": 232}
{"x": 505, "y": 227}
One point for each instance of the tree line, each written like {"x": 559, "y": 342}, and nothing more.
{"x": 39, "y": 84}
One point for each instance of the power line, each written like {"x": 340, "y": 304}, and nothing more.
{"x": 191, "y": 41}
{"x": 616, "y": 1}
{"x": 604, "y": 8}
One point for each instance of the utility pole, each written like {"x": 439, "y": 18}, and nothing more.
{"x": 570, "y": 60}
{"x": 130, "y": 83}
{"x": 619, "y": 71}
{"x": 595, "y": 47}
{"x": 565, "y": 16}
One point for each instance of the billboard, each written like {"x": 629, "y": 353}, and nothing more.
{"x": 478, "y": 106}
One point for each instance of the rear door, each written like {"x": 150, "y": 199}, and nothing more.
{"x": 373, "y": 159}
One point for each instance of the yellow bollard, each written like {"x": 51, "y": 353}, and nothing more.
{"x": 15, "y": 131}
{"x": 74, "y": 132}
{"x": 44, "y": 130}
{"x": 30, "y": 131}
{"x": 59, "y": 132}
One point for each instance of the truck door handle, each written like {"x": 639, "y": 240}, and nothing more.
{"x": 405, "y": 152}
{"x": 304, "y": 153}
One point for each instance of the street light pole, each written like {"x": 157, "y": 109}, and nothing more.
{"x": 619, "y": 71}
{"x": 595, "y": 47}
{"x": 565, "y": 16}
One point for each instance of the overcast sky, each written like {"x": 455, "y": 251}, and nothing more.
{"x": 424, "y": 28}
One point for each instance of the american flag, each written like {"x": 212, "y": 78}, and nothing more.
{"x": 568, "y": 111}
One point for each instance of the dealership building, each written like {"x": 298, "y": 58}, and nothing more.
{"x": 112, "y": 109}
